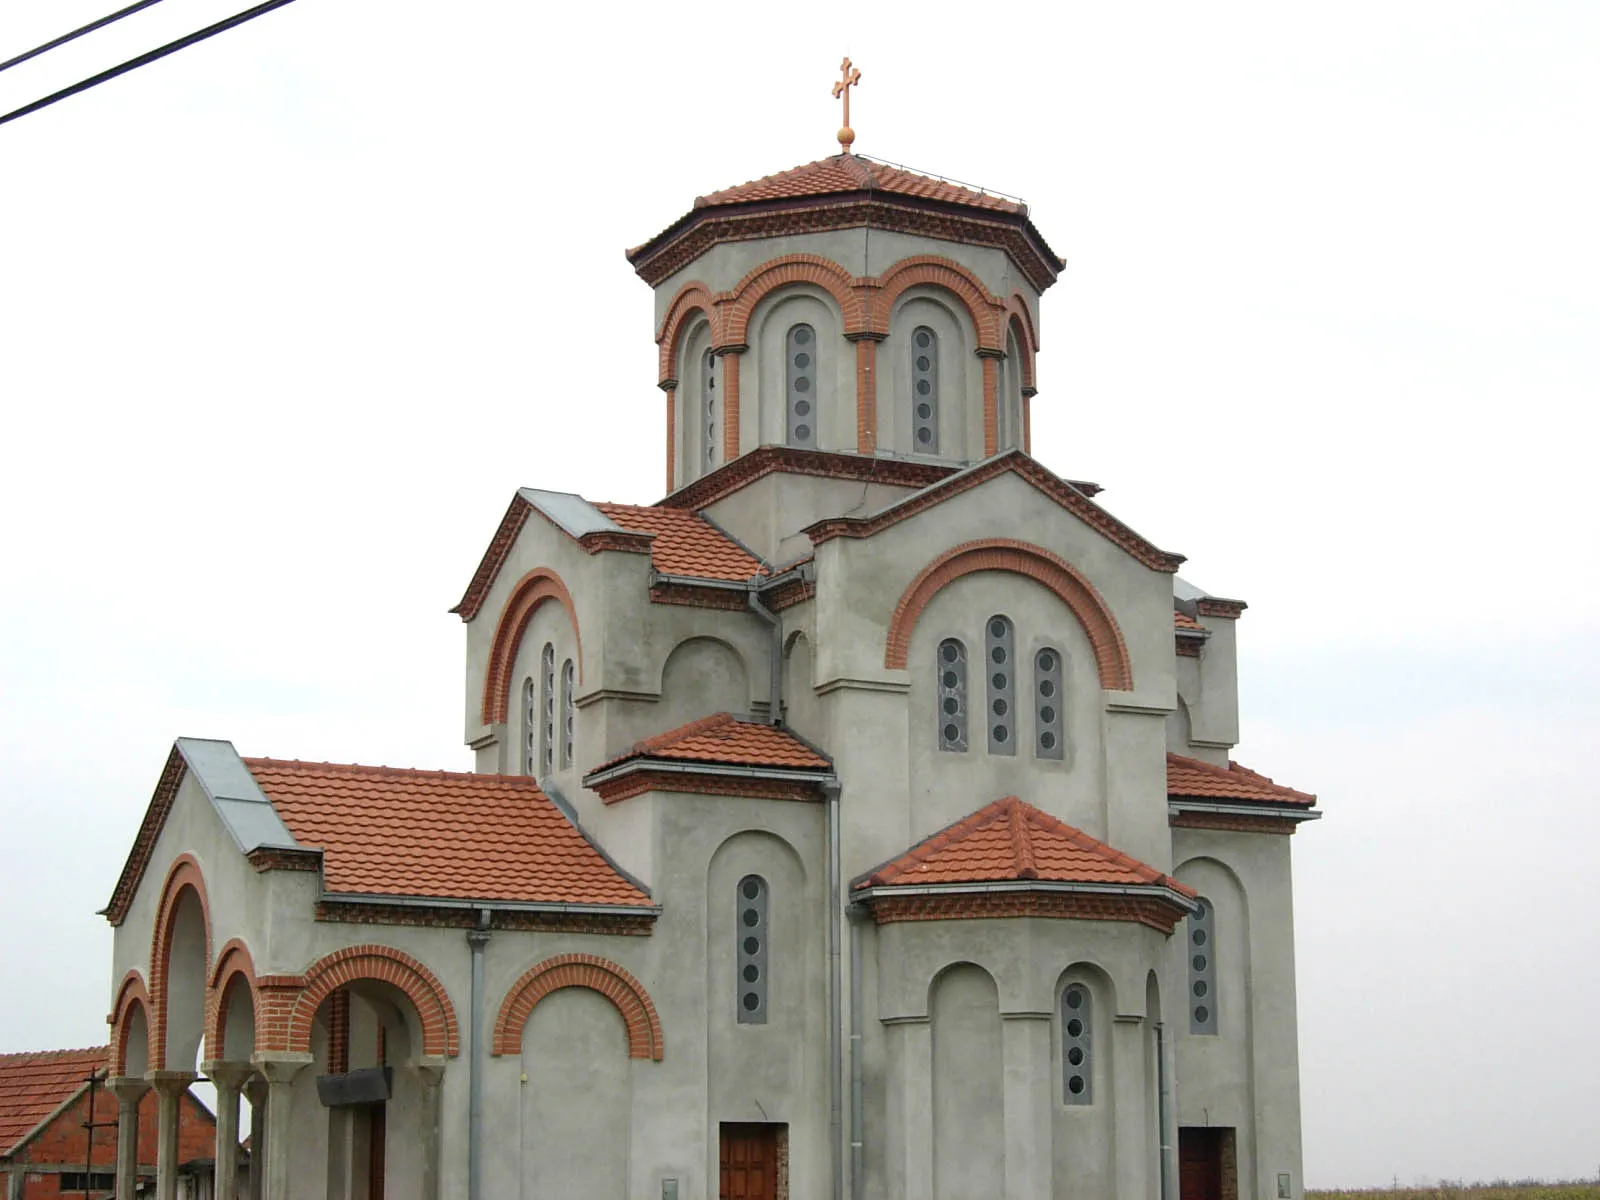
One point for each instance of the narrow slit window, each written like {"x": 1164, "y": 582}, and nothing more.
{"x": 1077, "y": 1044}
{"x": 952, "y": 666}
{"x": 1000, "y": 659}
{"x": 751, "y": 930}
{"x": 530, "y": 726}
{"x": 710, "y": 409}
{"x": 547, "y": 709}
{"x": 801, "y": 380}
{"x": 1203, "y": 969}
{"x": 568, "y": 712}
{"x": 1047, "y": 703}
{"x": 924, "y": 390}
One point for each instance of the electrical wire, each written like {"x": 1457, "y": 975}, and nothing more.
{"x": 77, "y": 33}
{"x": 149, "y": 56}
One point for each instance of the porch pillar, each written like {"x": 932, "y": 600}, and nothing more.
{"x": 255, "y": 1091}
{"x": 170, "y": 1087}
{"x": 129, "y": 1090}
{"x": 229, "y": 1080}
{"x": 430, "y": 1075}
{"x": 279, "y": 1071}
{"x": 1026, "y": 1072}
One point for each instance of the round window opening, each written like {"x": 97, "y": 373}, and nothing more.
{"x": 924, "y": 339}
{"x": 1047, "y": 661}
{"x": 1199, "y": 937}
{"x": 1074, "y": 999}
{"x": 999, "y": 708}
{"x": 1047, "y": 740}
{"x": 1001, "y": 733}
{"x": 1202, "y": 1014}
{"x": 1074, "y": 1028}
{"x": 802, "y": 361}
{"x": 751, "y": 973}
{"x": 923, "y": 362}
{"x": 1075, "y": 1056}
{"x": 751, "y": 945}
{"x": 999, "y": 680}
{"x": 802, "y": 336}
{"x": 1047, "y": 715}
{"x": 751, "y": 1002}
{"x": 802, "y": 432}
{"x": 802, "y": 384}
{"x": 950, "y": 679}
{"x": 950, "y": 706}
{"x": 923, "y": 387}
{"x": 751, "y": 918}
{"x": 752, "y": 889}
{"x": 952, "y": 734}
{"x": 1075, "y": 1085}
{"x": 1199, "y": 962}
{"x": 1200, "y": 988}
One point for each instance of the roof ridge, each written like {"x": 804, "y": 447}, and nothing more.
{"x": 82, "y": 1052}
{"x": 383, "y": 769}
{"x": 1092, "y": 844}
{"x": 940, "y": 839}
{"x": 693, "y": 729}
{"x": 1021, "y": 842}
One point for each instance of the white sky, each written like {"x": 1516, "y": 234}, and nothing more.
{"x": 286, "y": 318}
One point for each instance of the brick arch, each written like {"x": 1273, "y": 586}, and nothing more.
{"x": 1017, "y": 310}
{"x": 131, "y": 994}
{"x": 532, "y": 590}
{"x": 738, "y": 305}
{"x": 232, "y": 960}
{"x": 381, "y": 964}
{"x": 932, "y": 270}
{"x": 693, "y": 297}
{"x": 1018, "y": 324}
{"x": 184, "y": 874}
{"x": 588, "y": 971}
{"x": 1019, "y": 558}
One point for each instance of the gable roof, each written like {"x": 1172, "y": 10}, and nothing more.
{"x": 395, "y": 832}
{"x": 685, "y": 543}
{"x": 725, "y": 740}
{"x": 1011, "y": 840}
{"x": 34, "y": 1085}
{"x": 855, "y": 173}
{"x": 1192, "y": 779}
{"x": 1012, "y": 462}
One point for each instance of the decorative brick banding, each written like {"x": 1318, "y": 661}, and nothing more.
{"x": 737, "y": 304}
{"x": 948, "y": 275}
{"x": 532, "y": 590}
{"x": 587, "y": 971}
{"x": 1155, "y": 912}
{"x": 1019, "y": 558}
{"x": 183, "y": 875}
{"x": 382, "y": 964}
{"x": 131, "y": 997}
{"x": 692, "y": 301}
{"x": 1232, "y": 822}
{"x": 232, "y": 960}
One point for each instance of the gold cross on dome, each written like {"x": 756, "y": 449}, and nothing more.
{"x": 849, "y": 77}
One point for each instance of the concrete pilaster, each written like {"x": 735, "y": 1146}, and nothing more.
{"x": 128, "y": 1090}
{"x": 1135, "y": 1164}
{"x": 229, "y": 1080}
{"x": 1026, "y": 1062}
{"x": 430, "y": 1075}
{"x": 909, "y": 1152}
{"x": 170, "y": 1087}
{"x": 272, "y": 1160}
{"x": 255, "y": 1091}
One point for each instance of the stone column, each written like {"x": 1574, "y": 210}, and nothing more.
{"x": 430, "y": 1076}
{"x": 1131, "y": 1088}
{"x": 272, "y": 1160}
{"x": 1026, "y": 1072}
{"x": 170, "y": 1087}
{"x": 229, "y": 1080}
{"x": 255, "y": 1090}
{"x": 128, "y": 1090}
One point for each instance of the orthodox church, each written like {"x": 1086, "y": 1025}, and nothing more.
{"x": 855, "y": 821}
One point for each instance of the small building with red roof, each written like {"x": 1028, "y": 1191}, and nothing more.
{"x": 857, "y": 820}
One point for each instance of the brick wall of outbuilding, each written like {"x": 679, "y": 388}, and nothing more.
{"x": 60, "y": 1147}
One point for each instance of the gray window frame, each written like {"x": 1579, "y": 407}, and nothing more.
{"x": 1049, "y": 705}
{"x": 1000, "y": 713}
{"x": 948, "y": 694}
{"x": 1200, "y": 945}
{"x": 800, "y": 385}
{"x": 710, "y": 425}
{"x": 750, "y": 995}
{"x": 568, "y": 712}
{"x": 1082, "y": 1041}
{"x": 924, "y": 375}
{"x": 547, "y": 709}
{"x": 530, "y": 726}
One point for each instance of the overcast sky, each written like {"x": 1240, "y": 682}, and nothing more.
{"x": 284, "y": 320}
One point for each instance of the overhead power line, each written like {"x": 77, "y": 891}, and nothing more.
{"x": 149, "y": 56}
{"x": 77, "y": 33}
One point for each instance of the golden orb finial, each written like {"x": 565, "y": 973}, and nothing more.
{"x": 849, "y": 78}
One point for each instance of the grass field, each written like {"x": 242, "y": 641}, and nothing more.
{"x": 1470, "y": 1191}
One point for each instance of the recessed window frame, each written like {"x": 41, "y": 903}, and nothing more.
{"x": 568, "y": 712}
{"x": 710, "y": 409}
{"x": 1049, "y": 704}
{"x": 1000, "y": 668}
{"x": 923, "y": 370}
{"x": 801, "y": 365}
{"x": 950, "y": 671}
{"x": 1079, "y": 1044}
{"x": 530, "y": 726}
{"x": 1201, "y": 947}
{"x": 751, "y": 934}
{"x": 547, "y": 709}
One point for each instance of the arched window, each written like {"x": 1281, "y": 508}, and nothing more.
{"x": 530, "y": 727}
{"x": 1203, "y": 970}
{"x": 752, "y": 950}
{"x": 1002, "y": 401}
{"x": 1000, "y": 660}
{"x": 1077, "y": 1044}
{"x": 800, "y": 374}
{"x": 1048, "y": 701}
{"x": 710, "y": 420}
{"x": 924, "y": 390}
{"x": 568, "y": 712}
{"x": 547, "y": 709}
{"x": 952, "y": 668}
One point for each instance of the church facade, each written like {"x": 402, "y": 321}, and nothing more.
{"x": 856, "y": 821}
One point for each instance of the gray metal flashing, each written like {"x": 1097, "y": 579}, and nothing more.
{"x": 679, "y": 767}
{"x": 533, "y": 906}
{"x": 1152, "y": 890}
{"x": 570, "y": 512}
{"x": 244, "y": 808}
{"x": 1284, "y": 812}
{"x": 571, "y": 814}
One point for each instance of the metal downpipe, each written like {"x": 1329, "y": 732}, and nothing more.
{"x": 478, "y": 939}
{"x": 858, "y": 1168}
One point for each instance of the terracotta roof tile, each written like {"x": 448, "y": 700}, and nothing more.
{"x": 1183, "y": 620}
{"x": 388, "y": 831}
{"x": 34, "y": 1085}
{"x": 726, "y": 740}
{"x": 1191, "y": 778}
{"x": 1011, "y": 840}
{"x": 686, "y": 543}
{"x": 855, "y": 173}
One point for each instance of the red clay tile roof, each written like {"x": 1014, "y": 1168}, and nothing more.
{"x": 34, "y": 1085}
{"x": 728, "y": 741}
{"x": 388, "y": 831}
{"x": 1189, "y": 778}
{"x": 1011, "y": 840}
{"x": 855, "y": 173}
{"x": 686, "y": 543}
{"x": 1183, "y": 620}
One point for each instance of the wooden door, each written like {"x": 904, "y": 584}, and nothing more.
{"x": 1200, "y": 1164}
{"x": 377, "y": 1147}
{"x": 749, "y": 1162}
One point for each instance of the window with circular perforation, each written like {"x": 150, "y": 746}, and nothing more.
{"x": 547, "y": 709}
{"x": 709, "y": 408}
{"x": 1203, "y": 969}
{"x": 924, "y": 390}
{"x": 568, "y": 712}
{"x": 800, "y": 374}
{"x": 751, "y": 930}
{"x": 999, "y": 662}
{"x": 530, "y": 726}
{"x": 1048, "y": 702}
{"x": 951, "y": 664}
{"x": 1077, "y": 1045}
